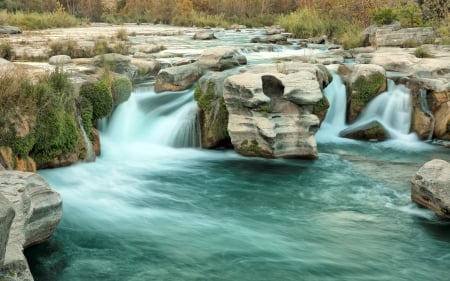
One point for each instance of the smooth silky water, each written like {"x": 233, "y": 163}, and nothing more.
{"x": 156, "y": 207}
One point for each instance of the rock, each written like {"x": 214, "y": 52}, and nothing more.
{"x": 430, "y": 187}
{"x": 7, "y": 158}
{"x": 204, "y": 35}
{"x": 373, "y": 131}
{"x": 327, "y": 58}
{"x": 146, "y": 70}
{"x": 62, "y": 160}
{"x": 177, "y": 78}
{"x": 421, "y": 123}
{"x": 221, "y": 58}
{"x": 395, "y": 36}
{"x": 272, "y": 30}
{"x": 6, "y": 65}
{"x": 60, "y": 60}
{"x": 442, "y": 126}
{"x": 118, "y": 63}
{"x": 6, "y": 217}
{"x": 390, "y": 61}
{"x": 279, "y": 39}
{"x": 6, "y": 29}
{"x": 270, "y": 113}
{"x": 365, "y": 82}
{"x": 38, "y": 210}
{"x": 146, "y": 49}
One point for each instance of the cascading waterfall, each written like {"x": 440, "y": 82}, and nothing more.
{"x": 90, "y": 153}
{"x": 166, "y": 119}
{"x": 392, "y": 109}
{"x": 425, "y": 108}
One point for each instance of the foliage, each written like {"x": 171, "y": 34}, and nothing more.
{"x": 410, "y": 15}
{"x": 306, "y": 23}
{"x": 6, "y": 51}
{"x": 350, "y": 37}
{"x": 99, "y": 95}
{"x": 121, "y": 88}
{"x": 122, "y": 34}
{"x": 86, "y": 112}
{"x": 322, "y": 105}
{"x": 34, "y": 20}
{"x": 367, "y": 88}
{"x": 383, "y": 15}
{"x": 423, "y": 52}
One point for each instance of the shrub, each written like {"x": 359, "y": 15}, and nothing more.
{"x": 122, "y": 34}
{"x": 306, "y": 22}
{"x": 423, "y": 52}
{"x": 121, "y": 88}
{"x": 86, "y": 112}
{"x": 351, "y": 36}
{"x": 33, "y": 21}
{"x": 6, "y": 51}
{"x": 99, "y": 95}
{"x": 383, "y": 15}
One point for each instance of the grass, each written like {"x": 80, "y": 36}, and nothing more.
{"x": 423, "y": 52}
{"x": 36, "y": 21}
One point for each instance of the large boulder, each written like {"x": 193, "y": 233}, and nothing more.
{"x": 116, "y": 62}
{"x": 270, "y": 113}
{"x": 221, "y": 58}
{"x": 177, "y": 78}
{"x": 365, "y": 82}
{"x": 6, "y": 217}
{"x": 430, "y": 187}
{"x": 395, "y": 36}
{"x": 38, "y": 210}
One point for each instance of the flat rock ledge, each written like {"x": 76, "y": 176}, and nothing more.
{"x": 29, "y": 213}
{"x": 431, "y": 187}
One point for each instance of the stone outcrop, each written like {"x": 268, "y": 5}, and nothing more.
{"x": 6, "y": 217}
{"x": 395, "y": 36}
{"x": 118, "y": 63}
{"x": 279, "y": 39}
{"x": 430, "y": 187}
{"x": 60, "y": 60}
{"x": 38, "y": 210}
{"x": 204, "y": 35}
{"x": 7, "y": 29}
{"x": 221, "y": 58}
{"x": 270, "y": 113}
{"x": 365, "y": 82}
{"x": 177, "y": 78}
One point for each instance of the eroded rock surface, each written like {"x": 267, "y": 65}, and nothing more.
{"x": 38, "y": 210}
{"x": 270, "y": 113}
{"x": 430, "y": 187}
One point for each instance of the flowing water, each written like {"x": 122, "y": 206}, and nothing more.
{"x": 155, "y": 207}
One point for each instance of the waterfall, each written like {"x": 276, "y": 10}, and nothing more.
{"x": 90, "y": 153}
{"x": 392, "y": 109}
{"x": 425, "y": 108}
{"x": 166, "y": 119}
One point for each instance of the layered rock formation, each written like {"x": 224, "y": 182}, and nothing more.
{"x": 271, "y": 110}
{"x": 430, "y": 187}
{"x": 395, "y": 36}
{"x": 36, "y": 210}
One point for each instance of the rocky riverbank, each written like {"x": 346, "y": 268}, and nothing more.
{"x": 29, "y": 213}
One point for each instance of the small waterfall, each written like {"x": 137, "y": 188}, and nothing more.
{"x": 90, "y": 153}
{"x": 335, "y": 93}
{"x": 167, "y": 119}
{"x": 425, "y": 108}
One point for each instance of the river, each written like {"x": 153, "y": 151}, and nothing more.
{"x": 156, "y": 207}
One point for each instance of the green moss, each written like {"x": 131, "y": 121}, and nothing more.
{"x": 121, "y": 88}
{"x": 265, "y": 109}
{"x": 22, "y": 146}
{"x": 99, "y": 95}
{"x": 367, "y": 88}
{"x": 86, "y": 112}
{"x": 321, "y": 105}
{"x": 252, "y": 148}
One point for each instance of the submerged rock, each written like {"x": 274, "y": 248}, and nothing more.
{"x": 38, "y": 210}
{"x": 430, "y": 187}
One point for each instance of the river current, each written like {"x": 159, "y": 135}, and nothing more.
{"x": 150, "y": 208}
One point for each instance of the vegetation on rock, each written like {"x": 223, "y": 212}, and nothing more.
{"x": 366, "y": 88}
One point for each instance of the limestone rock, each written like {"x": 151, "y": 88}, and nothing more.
{"x": 204, "y": 35}
{"x": 7, "y": 29}
{"x": 146, "y": 70}
{"x": 272, "y": 30}
{"x": 430, "y": 187}
{"x": 442, "y": 116}
{"x": 60, "y": 60}
{"x": 221, "y": 58}
{"x": 118, "y": 63}
{"x": 177, "y": 78}
{"x": 373, "y": 131}
{"x": 38, "y": 211}
{"x": 279, "y": 39}
{"x": 270, "y": 113}
{"x": 366, "y": 82}
{"x": 395, "y": 36}
{"x": 6, "y": 217}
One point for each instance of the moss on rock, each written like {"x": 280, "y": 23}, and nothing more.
{"x": 121, "y": 88}
{"x": 366, "y": 88}
{"x": 99, "y": 95}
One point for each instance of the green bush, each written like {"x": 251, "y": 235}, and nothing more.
{"x": 99, "y": 95}
{"x": 351, "y": 37}
{"x": 33, "y": 21}
{"x": 367, "y": 88}
{"x": 423, "y": 52}
{"x": 6, "y": 51}
{"x": 383, "y": 16}
{"x": 121, "y": 88}
{"x": 305, "y": 23}
{"x": 86, "y": 112}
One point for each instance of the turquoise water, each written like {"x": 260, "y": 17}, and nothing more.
{"x": 148, "y": 211}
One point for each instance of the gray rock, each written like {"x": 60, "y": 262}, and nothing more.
{"x": 395, "y": 36}
{"x": 60, "y": 60}
{"x": 116, "y": 62}
{"x": 38, "y": 211}
{"x": 177, "y": 78}
{"x": 204, "y": 35}
{"x": 6, "y": 217}
{"x": 221, "y": 58}
{"x": 6, "y": 29}
{"x": 280, "y": 39}
{"x": 270, "y": 110}
{"x": 430, "y": 187}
